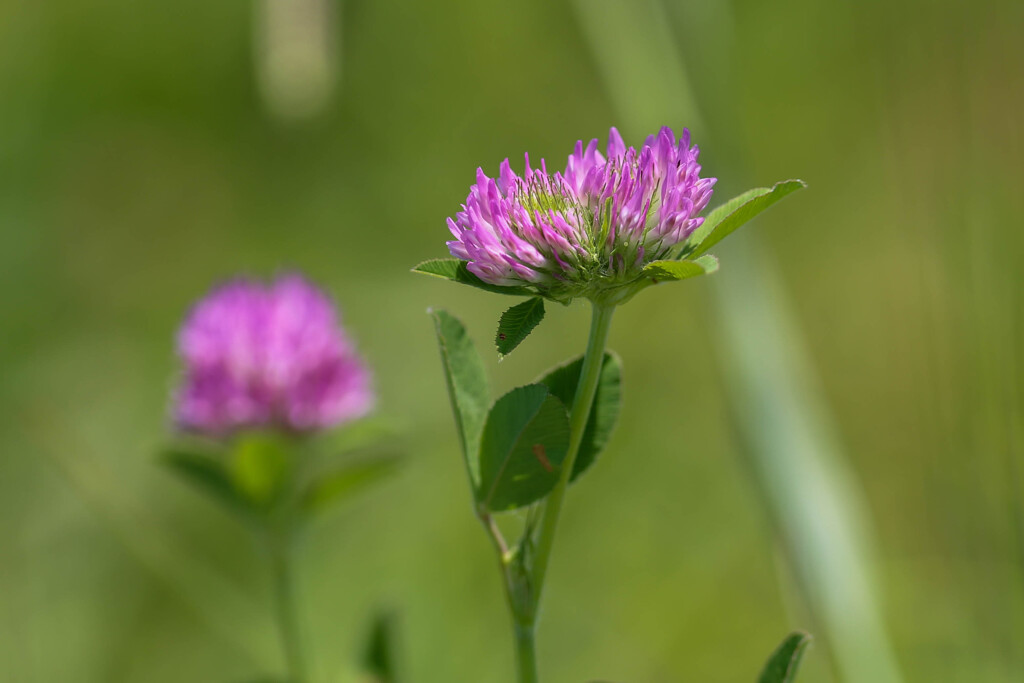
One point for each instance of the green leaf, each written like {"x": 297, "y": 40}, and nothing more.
{"x": 346, "y": 481}
{"x": 517, "y": 323}
{"x": 467, "y": 387}
{"x": 207, "y": 473}
{"x": 562, "y": 380}
{"x": 379, "y": 658}
{"x": 522, "y": 447}
{"x": 667, "y": 271}
{"x": 367, "y": 433}
{"x": 784, "y": 662}
{"x": 726, "y": 218}
{"x": 261, "y": 466}
{"x": 455, "y": 270}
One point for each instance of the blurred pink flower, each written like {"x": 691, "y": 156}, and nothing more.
{"x": 268, "y": 355}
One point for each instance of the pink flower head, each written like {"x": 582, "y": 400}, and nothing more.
{"x": 588, "y": 228}
{"x": 268, "y": 355}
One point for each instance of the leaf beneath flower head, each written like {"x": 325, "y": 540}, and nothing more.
{"x": 455, "y": 270}
{"x": 206, "y": 472}
{"x": 261, "y": 466}
{"x": 363, "y": 434}
{"x": 517, "y": 323}
{"x": 522, "y": 448}
{"x": 725, "y": 219}
{"x": 784, "y": 662}
{"x": 667, "y": 271}
{"x": 467, "y": 387}
{"x": 346, "y": 481}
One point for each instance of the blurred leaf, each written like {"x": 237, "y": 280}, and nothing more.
{"x": 379, "y": 659}
{"x": 784, "y": 662}
{"x": 516, "y": 324}
{"x": 261, "y": 466}
{"x": 207, "y": 473}
{"x": 523, "y": 444}
{"x": 455, "y": 270}
{"x": 360, "y": 435}
{"x": 346, "y": 481}
{"x": 562, "y": 381}
{"x": 467, "y": 387}
{"x": 726, "y": 218}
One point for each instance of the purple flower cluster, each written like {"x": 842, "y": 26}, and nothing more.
{"x": 604, "y": 217}
{"x": 274, "y": 355}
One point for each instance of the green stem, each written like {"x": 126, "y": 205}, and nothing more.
{"x": 590, "y": 375}
{"x": 526, "y": 654}
{"x": 284, "y": 595}
{"x": 524, "y": 581}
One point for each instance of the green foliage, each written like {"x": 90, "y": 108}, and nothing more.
{"x": 516, "y": 324}
{"x": 259, "y": 474}
{"x": 205, "y": 470}
{"x": 784, "y": 662}
{"x": 380, "y": 658}
{"x": 562, "y": 381}
{"x": 725, "y": 219}
{"x": 346, "y": 481}
{"x": 667, "y": 271}
{"x": 261, "y": 466}
{"x": 523, "y": 444}
{"x": 467, "y": 386}
{"x": 361, "y": 435}
{"x": 455, "y": 270}
{"x": 248, "y": 475}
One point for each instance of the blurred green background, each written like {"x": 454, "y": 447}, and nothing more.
{"x": 148, "y": 150}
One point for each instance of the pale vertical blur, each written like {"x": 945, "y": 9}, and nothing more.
{"x": 297, "y": 55}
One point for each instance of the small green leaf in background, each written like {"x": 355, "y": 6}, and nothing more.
{"x": 523, "y": 444}
{"x": 366, "y": 433}
{"x": 725, "y": 219}
{"x": 345, "y": 481}
{"x": 261, "y": 466}
{"x": 467, "y": 387}
{"x": 455, "y": 270}
{"x": 562, "y": 380}
{"x": 379, "y": 658}
{"x": 517, "y": 323}
{"x": 207, "y": 472}
{"x": 784, "y": 662}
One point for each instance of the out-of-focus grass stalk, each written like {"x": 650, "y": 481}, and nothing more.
{"x": 297, "y": 55}
{"x": 799, "y": 466}
{"x": 794, "y": 455}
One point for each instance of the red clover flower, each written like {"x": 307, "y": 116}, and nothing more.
{"x": 259, "y": 356}
{"x": 586, "y": 231}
